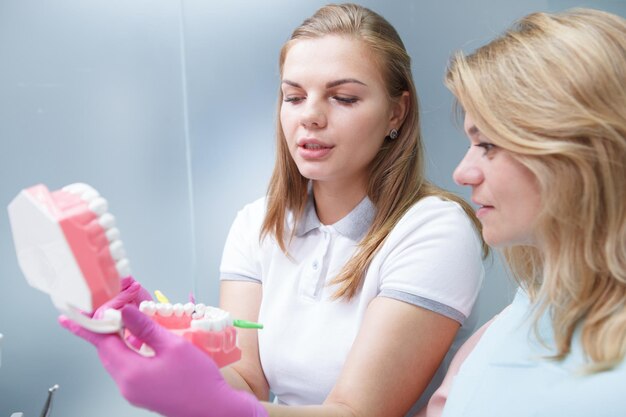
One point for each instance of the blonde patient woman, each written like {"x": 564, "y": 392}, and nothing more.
{"x": 545, "y": 114}
{"x": 361, "y": 270}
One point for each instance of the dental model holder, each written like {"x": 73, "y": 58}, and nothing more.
{"x": 67, "y": 246}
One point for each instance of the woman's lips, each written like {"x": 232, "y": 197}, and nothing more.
{"x": 313, "y": 150}
{"x": 483, "y": 211}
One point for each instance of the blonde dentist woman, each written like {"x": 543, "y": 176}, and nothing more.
{"x": 361, "y": 270}
{"x": 545, "y": 114}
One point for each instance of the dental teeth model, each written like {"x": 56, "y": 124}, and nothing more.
{"x": 67, "y": 246}
{"x": 209, "y": 328}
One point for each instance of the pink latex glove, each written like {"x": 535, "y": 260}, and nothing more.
{"x": 179, "y": 381}
{"x": 130, "y": 292}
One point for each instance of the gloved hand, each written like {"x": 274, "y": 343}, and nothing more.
{"x": 130, "y": 292}
{"x": 179, "y": 381}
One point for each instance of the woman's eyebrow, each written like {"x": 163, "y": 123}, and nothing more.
{"x": 332, "y": 84}
{"x": 329, "y": 84}
{"x": 291, "y": 83}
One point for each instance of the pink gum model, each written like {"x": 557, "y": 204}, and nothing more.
{"x": 68, "y": 247}
{"x": 210, "y": 329}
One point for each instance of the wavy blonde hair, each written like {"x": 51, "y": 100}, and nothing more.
{"x": 396, "y": 179}
{"x": 552, "y": 91}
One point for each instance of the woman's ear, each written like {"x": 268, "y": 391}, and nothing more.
{"x": 399, "y": 109}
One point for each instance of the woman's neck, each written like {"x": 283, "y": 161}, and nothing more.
{"x": 333, "y": 203}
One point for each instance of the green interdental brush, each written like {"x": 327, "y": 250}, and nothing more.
{"x": 244, "y": 324}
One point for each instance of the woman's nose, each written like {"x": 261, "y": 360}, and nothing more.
{"x": 467, "y": 172}
{"x": 313, "y": 114}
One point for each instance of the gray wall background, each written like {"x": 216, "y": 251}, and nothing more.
{"x": 167, "y": 108}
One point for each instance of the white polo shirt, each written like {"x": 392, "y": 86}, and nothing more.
{"x": 431, "y": 259}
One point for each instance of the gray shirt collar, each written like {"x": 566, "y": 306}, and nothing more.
{"x": 354, "y": 226}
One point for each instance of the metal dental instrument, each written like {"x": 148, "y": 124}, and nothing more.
{"x": 47, "y": 407}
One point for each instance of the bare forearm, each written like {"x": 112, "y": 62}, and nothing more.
{"x": 326, "y": 410}
{"x": 235, "y": 379}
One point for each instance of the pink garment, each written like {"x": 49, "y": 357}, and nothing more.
{"x": 178, "y": 381}
{"x": 437, "y": 402}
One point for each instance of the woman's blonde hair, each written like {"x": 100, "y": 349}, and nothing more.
{"x": 396, "y": 179}
{"x": 552, "y": 91}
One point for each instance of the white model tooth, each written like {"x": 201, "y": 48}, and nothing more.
{"x": 199, "y": 311}
{"x": 178, "y": 309}
{"x": 216, "y": 313}
{"x": 99, "y": 206}
{"x": 117, "y": 250}
{"x": 123, "y": 267}
{"x": 88, "y": 187}
{"x": 69, "y": 188}
{"x": 219, "y": 318}
{"x": 107, "y": 221}
{"x": 89, "y": 195}
{"x": 188, "y": 309}
{"x": 200, "y": 307}
{"x": 147, "y": 307}
{"x": 165, "y": 309}
{"x": 227, "y": 319}
{"x": 201, "y": 324}
{"x": 76, "y": 188}
{"x": 112, "y": 234}
{"x": 211, "y": 312}
{"x": 218, "y": 325}
{"x": 84, "y": 191}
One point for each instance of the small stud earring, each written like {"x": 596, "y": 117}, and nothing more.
{"x": 393, "y": 134}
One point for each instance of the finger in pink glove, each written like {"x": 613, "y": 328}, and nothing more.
{"x": 178, "y": 381}
{"x": 142, "y": 293}
{"x": 130, "y": 292}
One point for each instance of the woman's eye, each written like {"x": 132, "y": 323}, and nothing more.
{"x": 488, "y": 147}
{"x": 293, "y": 99}
{"x": 346, "y": 100}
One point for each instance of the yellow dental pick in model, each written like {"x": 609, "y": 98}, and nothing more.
{"x": 161, "y": 298}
